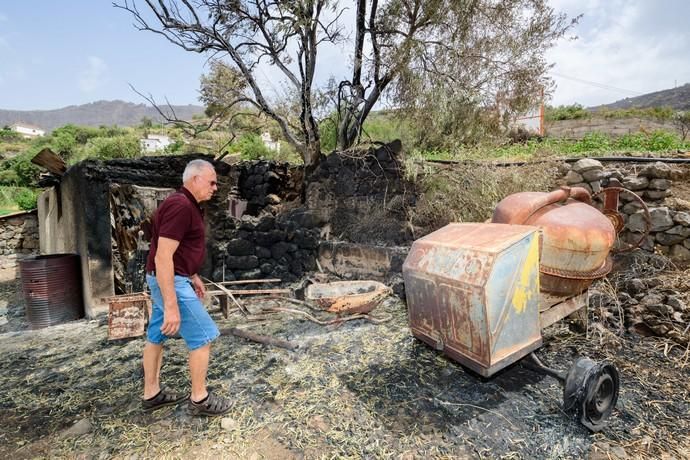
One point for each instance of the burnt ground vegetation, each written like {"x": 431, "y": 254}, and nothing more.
{"x": 358, "y": 390}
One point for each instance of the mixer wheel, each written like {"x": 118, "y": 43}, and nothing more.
{"x": 591, "y": 392}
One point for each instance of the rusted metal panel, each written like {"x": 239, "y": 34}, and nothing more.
{"x": 473, "y": 292}
{"x": 128, "y": 315}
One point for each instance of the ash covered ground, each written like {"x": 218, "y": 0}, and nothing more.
{"x": 360, "y": 390}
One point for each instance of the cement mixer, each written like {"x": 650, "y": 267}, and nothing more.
{"x": 482, "y": 292}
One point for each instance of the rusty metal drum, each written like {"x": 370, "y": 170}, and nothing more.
{"x": 52, "y": 289}
{"x": 576, "y": 237}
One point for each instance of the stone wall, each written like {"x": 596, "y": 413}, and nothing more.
{"x": 577, "y": 129}
{"x": 18, "y": 239}
{"x": 669, "y": 229}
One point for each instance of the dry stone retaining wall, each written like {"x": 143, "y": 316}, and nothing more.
{"x": 653, "y": 182}
{"x": 18, "y": 239}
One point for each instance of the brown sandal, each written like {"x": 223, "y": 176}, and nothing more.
{"x": 212, "y": 405}
{"x": 164, "y": 398}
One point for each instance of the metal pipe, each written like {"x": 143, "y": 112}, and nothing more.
{"x": 531, "y": 361}
{"x": 571, "y": 160}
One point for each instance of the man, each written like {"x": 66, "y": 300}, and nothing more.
{"x": 177, "y": 251}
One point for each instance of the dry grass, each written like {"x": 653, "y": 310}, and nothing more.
{"x": 469, "y": 192}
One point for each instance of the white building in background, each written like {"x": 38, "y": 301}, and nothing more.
{"x": 532, "y": 120}
{"x": 27, "y": 130}
{"x": 270, "y": 143}
{"x": 154, "y": 143}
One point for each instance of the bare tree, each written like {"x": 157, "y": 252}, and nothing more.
{"x": 401, "y": 48}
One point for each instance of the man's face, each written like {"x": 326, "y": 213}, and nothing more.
{"x": 206, "y": 183}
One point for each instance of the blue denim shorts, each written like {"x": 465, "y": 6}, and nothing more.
{"x": 196, "y": 326}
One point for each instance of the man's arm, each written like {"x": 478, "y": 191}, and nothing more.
{"x": 165, "y": 275}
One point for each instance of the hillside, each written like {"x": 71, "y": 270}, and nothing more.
{"x": 98, "y": 113}
{"x": 676, "y": 98}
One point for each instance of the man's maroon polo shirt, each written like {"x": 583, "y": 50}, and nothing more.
{"x": 180, "y": 218}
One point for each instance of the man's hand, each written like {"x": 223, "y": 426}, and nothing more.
{"x": 199, "y": 287}
{"x": 171, "y": 320}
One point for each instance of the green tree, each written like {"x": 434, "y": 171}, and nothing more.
{"x": 106, "y": 148}
{"x": 26, "y": 199}
{"x": 19, "y": 171}
{"x": 146, "y": 123}
{"x": 7, "y": 134}
{"x": 400, "y": 48}
{"x": 681, "y": 121}
{"x": 222, "y": 89}
{"x": 251, "y": 147}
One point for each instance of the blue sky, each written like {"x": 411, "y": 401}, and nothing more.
{"x": 59, "y": 53}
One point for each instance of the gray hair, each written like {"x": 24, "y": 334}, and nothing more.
{"x": 194, "y": 168}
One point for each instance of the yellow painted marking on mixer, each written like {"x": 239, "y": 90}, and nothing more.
{"x": 528, "y": 271}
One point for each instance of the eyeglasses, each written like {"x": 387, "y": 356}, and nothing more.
{"x": 212, "y": 183}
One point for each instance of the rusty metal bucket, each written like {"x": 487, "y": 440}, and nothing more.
{"x": 347, "y": 296}
{"x": 52, "y": 289}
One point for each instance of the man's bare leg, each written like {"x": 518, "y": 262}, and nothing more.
{"x": 153, "y": 359}
{"x": 198, "y": 367}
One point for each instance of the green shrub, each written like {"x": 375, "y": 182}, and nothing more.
{"x": 566, "y": 112}
{"x": 251, "y": 147}
{"x": 108, "y": 148}
{"x": 659, "y": 113}
{"x": 328, "y": 135}
{"x": 662, "y": 140}
{"x": 8, "y": 177}
{"x": 654, "y": 142}
{"x": 592, "y": 142}
{"x": 7, "y": 134}
{"x": 175, "y": 147}
{"x": 13, "y": 198}
{"x": 26, "y": 199}
{"x": 19, "y": 171}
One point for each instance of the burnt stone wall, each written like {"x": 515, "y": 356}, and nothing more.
{"x": 272, "y": 239}
{"x": 362, "y": 197}
{"x": 161, "y": 171}
{"x": 266, "y": 185}
{"x": 358, "y": 197}
{"x": 264, "y": 247}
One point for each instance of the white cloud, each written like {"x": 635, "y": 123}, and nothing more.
{"x": 623, "y": 49}
{"x": 94, "y": 76}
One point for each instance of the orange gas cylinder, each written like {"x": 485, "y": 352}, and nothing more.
{"x": 576, "y": 237}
